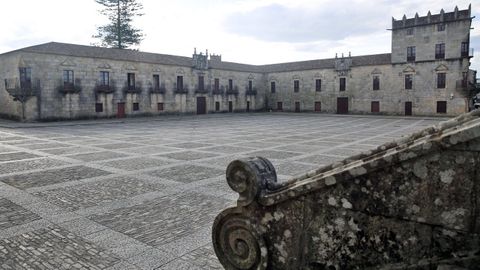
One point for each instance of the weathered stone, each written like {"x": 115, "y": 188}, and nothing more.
{"x": 405, "y": 205}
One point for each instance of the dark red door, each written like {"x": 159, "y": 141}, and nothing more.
{"x": 318, "y": 106}
{"x": 121, "y": 110}
{"x": 342, "y": 105}
{"x": 280, "y": 106}
{"x": 375, "y": 107}
{"x": 201, "y": 105}
{"x": 408, "y": 108}
{"x": 297, "y": 106}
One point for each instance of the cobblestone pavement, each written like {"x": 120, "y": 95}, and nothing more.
{"x": 143, "y": 194}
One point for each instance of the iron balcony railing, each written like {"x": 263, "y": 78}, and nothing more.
{"x": 181, "y": 89}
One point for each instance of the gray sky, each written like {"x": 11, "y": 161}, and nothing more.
{"x": 245, "y": 31}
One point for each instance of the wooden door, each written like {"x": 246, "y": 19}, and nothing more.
{"x": 121, "y": 110}
{"x": 342, "y": 105}
{"x": 318, "y": 106}
{"x": 201, "y": 105}
{"x": 230, "y": 106}
{"x": 248, "y": 106}
{"x": 279, "y": 106}
{"x": 297, "y": 106}
{"x": 375, "y": 107}
{"x": 408, "y": 108}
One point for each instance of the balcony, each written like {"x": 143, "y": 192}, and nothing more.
{"x": 202, "y": 90}
{"x": 22, "y": 90}
{"x": 411, "y": 58}
{"x": 219, "y": 91}
{"x": 132, "y": 89}
{"x": 157, "y": 89}
{"x": 68, "y": 87}
{"x": 439, "y": 56}
{"x": 180, "y": 90}
{"x": 251, "y": 92}
{"x": 233, "y": 91}
{"x": 104, "y": 88}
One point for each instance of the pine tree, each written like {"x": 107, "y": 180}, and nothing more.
{"x": 119, "y": 32}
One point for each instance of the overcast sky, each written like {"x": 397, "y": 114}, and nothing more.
{"x": 245, "y": 31}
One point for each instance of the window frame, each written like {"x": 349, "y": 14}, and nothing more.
{"x": 296, "y": 86}
{"x": 440, "y": 27}
{"x": 102, "y": 78}
{"x": 273, "y": 87}
{"x": 98, "y": 107}
{"x": 135, "y": 106}
{"x": 216, "y": 84}
{"x": 408, "y": 81}
{"x": 342, "y": 84}
{"x": 201, "y": 82}
{"x": 156, "y": 81}
{"x": 318, "y": 85}
{"x": 179, "y": 82}
{"x": 376, "y": 82}
{"x": 131, "y": 81}
{"x": 440, "y": 51}
{"x": 411, "y": 54}
{"x": 441, "y": 80}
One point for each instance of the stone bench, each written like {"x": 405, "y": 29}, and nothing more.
{"x": 409, "y": 204}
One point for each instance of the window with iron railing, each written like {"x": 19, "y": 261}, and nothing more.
{"x": 273, "y": 87}
{"x": 179, "y": 83}
{"x": 343, "y": 84}
{"x": 201, "y": 83}
{"x": 25, "y": 77}
{"x": 104, "y": 78}
{"x": 250, "y": 85}
{"x": 68, "y": 79}
{"x": 156, "y": 82}
{"x": 216, "y": 85}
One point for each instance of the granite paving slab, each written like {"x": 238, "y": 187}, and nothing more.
{"x": 12, "y": 215}
{"x": 50, "y": 177}
{"x": 186, "y": 173}
{"x": 35, "y": 164}
{"x": 17, "y": 156}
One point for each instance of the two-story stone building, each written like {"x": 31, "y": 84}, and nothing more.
{"x": 426, "y": 73}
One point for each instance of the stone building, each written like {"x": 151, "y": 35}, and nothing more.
{"x": 427, "y": 73}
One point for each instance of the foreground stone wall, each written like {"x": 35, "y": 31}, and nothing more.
{"x": 410, "y": 204}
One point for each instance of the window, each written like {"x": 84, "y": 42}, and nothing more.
{"x": 160, "y": 106}
{"x": 104, "y": 78}
{"x": 318, "y": 85}
{"x": 250, "y": 85}
{"x": 217, "y": 106}
{"x": 440, "y": 27}
{"x": 464, "y": 79}
{"x": 136, "y": 106}
{"x": 25, "y": 77}
{"x": 272, "y": 87}
{"x": 156, "y": 81}
{"x": 230, "y": 84}
{"x": 98, "y": 107}
{"x": 296, "y": 86}
{"x": 216, "y": 84}
{"x": 408, "y": 81}
{"x": 411, "y": 54}
{"x": 343, "y": 84}
{"x": 376, "y": 83}
{"x": 68, "y": 79}
{"x": 201, "y": 83}
{"x": 179, "y": 83}
{"x": 440, "y": 51}
{"x": 409, "y": 31}
{"x": 441, "y": 107}
{"x": 464, "y": 49}
{"x": 375, "y": 107}
{"x": 280, "y": 106}
{"x": 131, "y": 81}
{"x": 441, "y": 78}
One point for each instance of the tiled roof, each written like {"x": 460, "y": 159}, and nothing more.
{"x": 154, "y": 58}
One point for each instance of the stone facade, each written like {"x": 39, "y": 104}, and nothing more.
{"x": 69, "y": 84}
{"x": 408, "y": 204}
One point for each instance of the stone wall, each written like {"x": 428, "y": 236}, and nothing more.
{"x": 409, "y": 204}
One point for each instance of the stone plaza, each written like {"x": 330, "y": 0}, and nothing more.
{"x": 143, "y": 193}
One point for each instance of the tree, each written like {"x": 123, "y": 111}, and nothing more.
{"x": 119, "y": 32}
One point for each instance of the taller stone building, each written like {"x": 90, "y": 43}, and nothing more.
{"x": 427, "y": 73}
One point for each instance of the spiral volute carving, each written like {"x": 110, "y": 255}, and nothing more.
{"x": 238, "y": 244}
